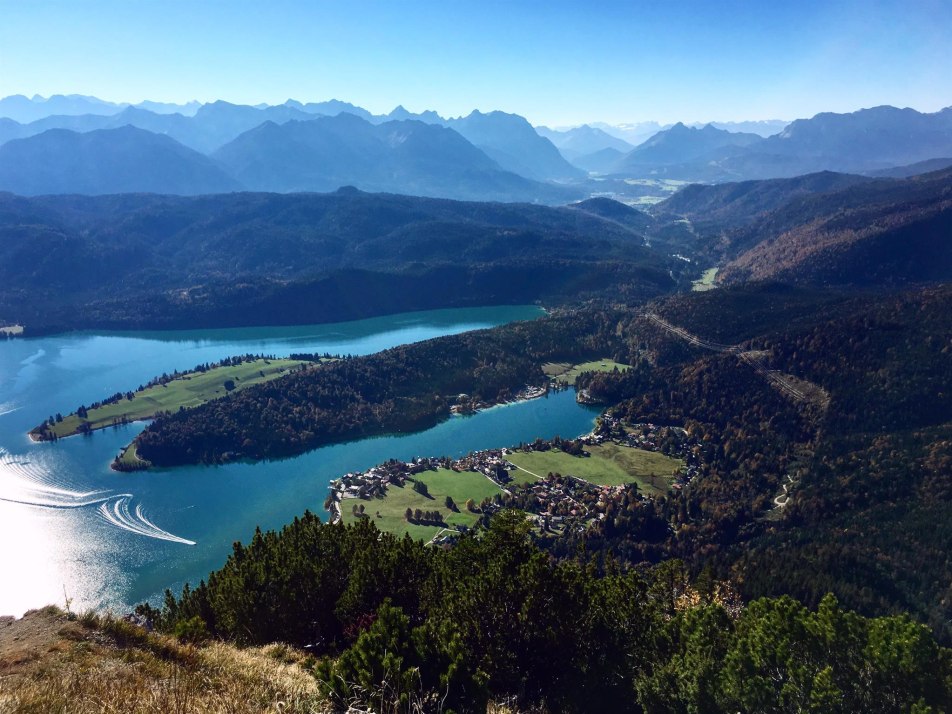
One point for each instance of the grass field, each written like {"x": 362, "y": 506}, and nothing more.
{"x": 441, "y": 483}
{"x": 129, "y": 458}
{"x": 608, "y": 465}
{"x": 188, "y": 390}
{"x": 706, "y": 282}
{"x": 569, "y": 372}
{"x": 662, "y": 189}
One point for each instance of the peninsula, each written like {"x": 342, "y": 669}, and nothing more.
{"x": 169, "y": 393}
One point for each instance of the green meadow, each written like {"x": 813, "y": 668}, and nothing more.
{"x": 568, "y": 373}
{"x": 459, "y": 485}
{"x": 187, "y": 390}
{"x": 609, "y": 465}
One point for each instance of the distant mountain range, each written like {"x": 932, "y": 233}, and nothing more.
{"x": 587, "y": 147}
{"x": 865, "y": 141}
{"x": 485, "y": 156}
{"x": 124, "y": 160}
{"x": 319, "y": 154}
{"x": 408, "y": 156}
{"x": 27, "y": 109}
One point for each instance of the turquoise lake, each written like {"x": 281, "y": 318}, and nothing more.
{"x": 71, "y": 527}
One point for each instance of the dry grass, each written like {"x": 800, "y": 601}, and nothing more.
{"x": 54, "y": 664}
{"x": 103, "y": 665}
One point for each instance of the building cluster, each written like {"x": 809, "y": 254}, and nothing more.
{"x": 555, "y": 503}
{"x": 465, "y": 404}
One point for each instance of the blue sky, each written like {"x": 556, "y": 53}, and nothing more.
{"x": 554, "y": 62}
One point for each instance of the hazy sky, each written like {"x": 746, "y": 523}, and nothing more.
{"x": 554, "y": 62}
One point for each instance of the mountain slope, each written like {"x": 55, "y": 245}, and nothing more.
{"x": 681, "y": 144}
{"x": 512, "y": 142}
{"x": 107, "y": 161}
{"x": 885, "y": 232}
{"x": 600, "y": 162}
{"x": 860, "y": 142}
{"x": 397, "y": 156}
{"x": 920, "y": 167}
{"x": 145, "y": 260}
{"x": 730, "y": 205}
{"x": 867, "y": 139}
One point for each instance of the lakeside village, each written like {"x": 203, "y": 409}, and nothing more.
{"x": 556, "y": 502}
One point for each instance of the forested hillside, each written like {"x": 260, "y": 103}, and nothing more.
{"x": 822, "y": 229}
{"x": 866, "y": 464}
{"x": 406, "y": 388}
{"x": 136, "y": 261}
{"x": 834, "y": 403}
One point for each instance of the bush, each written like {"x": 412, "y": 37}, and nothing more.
{"x": 192, "y": 630}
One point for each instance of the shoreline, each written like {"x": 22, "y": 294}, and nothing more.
{"x": 203, "y": 332}
{"x": 561, "y": 501}
{"x": 92, "y": 429}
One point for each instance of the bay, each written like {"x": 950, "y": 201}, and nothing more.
{"x": 72, "y": 528}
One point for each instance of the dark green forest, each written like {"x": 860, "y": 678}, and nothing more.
{"x": 401, "y": 389}
{"x": 143, "y": 261}
{"x": 392, "y": 623}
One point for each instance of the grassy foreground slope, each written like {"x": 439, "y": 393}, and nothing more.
{"x": 187, "y": 390}
{"x": 50, "y": 662}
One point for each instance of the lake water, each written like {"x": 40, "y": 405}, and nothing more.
{"x": 67, "y": 522}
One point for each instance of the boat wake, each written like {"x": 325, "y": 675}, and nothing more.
{"x": 117, "y": 512}
{"x": 30, "y": 484}
{"x": 8, "y": 408}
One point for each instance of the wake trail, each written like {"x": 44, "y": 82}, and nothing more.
{"x": 29, "y": 483}
{"x": 118, "y": 514}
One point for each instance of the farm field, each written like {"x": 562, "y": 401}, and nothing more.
{"x": 188, "y": 390}
{"x": 569, "y": 372}
{"x": 608, "y": 465}
{"x": 441, "y": 483}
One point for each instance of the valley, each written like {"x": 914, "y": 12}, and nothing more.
{"x": 51, "y": 493}
{"x": 473, "y": 415}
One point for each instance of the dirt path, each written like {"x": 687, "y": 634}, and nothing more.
{"x": 24, "y": 642}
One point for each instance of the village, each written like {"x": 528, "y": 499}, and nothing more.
{"x": 555, "y": 500}
{"x": 467, "y": 405}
